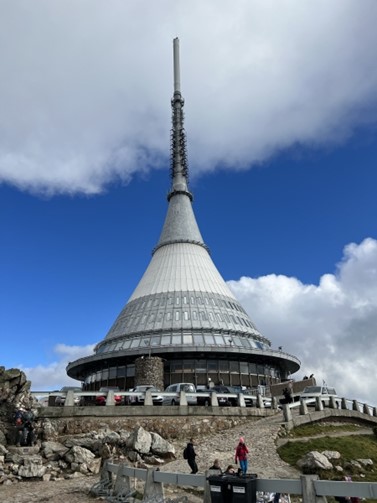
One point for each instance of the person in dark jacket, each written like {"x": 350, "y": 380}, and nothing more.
{"x": 216, "y": 466}
{"x": 191, "y": 455}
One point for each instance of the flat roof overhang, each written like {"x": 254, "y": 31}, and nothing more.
{"x": 80, "y": 368}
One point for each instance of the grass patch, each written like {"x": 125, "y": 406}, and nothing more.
{"x": 311, "y": 429}
{"x": 350, "y": 448}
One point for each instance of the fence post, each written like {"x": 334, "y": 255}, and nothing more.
{"x": 214, "y": 400}
{"x": 182, "y": 398}
{"x": 148, "y": 400}
{"x": 308, "y": 490}
{"x": 303, "y": 408}
{"x": 110, "y": 397}
{"x": 241, "y": 400}
{"x": 366, "y": 410}
{"x": 70, "y": 398}
{"x": 287, "y": 413}
{"x": 260, "y": 402}
{"x": 344, "y": 404}
{"x": 122, "y": 481}
{"x": 152, "y": 488}
{"x": 318, "y": 403}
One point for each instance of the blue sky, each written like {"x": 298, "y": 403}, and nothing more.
{"x": 284, "y": 181}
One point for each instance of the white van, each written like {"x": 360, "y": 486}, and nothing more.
{"x": 187, "y": 387}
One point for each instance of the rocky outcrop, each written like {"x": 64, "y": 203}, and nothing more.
{"x": 14, "y": 393}
{"x": 67, "y": 448}
{"x": 314, "y": 462}
{"x": 80, "y": 455}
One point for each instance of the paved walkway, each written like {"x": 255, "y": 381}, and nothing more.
{"x": 260, "y": 438}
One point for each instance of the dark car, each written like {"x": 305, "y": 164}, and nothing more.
{"x": 233, "y": 401}
{"x": 101, "y": 399}
{"x": 207, "y": 400}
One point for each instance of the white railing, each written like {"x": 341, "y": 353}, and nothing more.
{"x": 152, "y": 398}
{"x": 320, "y": 403}
{"x": 115, "y": 481}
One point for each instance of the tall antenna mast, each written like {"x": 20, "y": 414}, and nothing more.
{"x": 178, "y": 142}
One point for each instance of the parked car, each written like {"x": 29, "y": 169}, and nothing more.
{"x": 233, "y": 400}
{"x": 177, "y": 388}
{"x": 207, "y": 400}
{"x": 60, "y": 399}
{"x": 157, "y": 398}
{"x": 323, "y": 392}
{"x": 101, "y": 399}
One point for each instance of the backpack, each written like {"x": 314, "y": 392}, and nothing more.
{"x": 185, "y": 456}
{"x": 18, "y": 419}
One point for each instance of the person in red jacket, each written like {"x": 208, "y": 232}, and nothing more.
{"x": 241, "y": 455}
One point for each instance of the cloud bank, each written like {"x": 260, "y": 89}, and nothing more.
{"x": 331, "y": 327}
{"x": 86, "y": 86}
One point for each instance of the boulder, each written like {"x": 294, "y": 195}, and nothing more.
{"x": 53, "y": 450}
{"x": 140, "y": 440}
{"x": 314, "y": 461}
{"x": 162, "y": 447}
{"x": 32, "y": 467}
{"x": 331, "y": 454}
{"x": 79, "y": 454}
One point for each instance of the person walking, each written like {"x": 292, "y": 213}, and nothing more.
{"x": 241, "y": 455}
{"x": 191, "y": 455}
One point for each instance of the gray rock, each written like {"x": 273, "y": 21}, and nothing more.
{"x": 32, "y": 467}
{"x": 365, "y": 462}
{"x": 140, "y": 440}
{"x": 331, "y": 454}
{"x": 53, "y": 450}
{"x": 79, "y": 454}
{"x": 162, "y": 447}
{"x": 313, "y": 461}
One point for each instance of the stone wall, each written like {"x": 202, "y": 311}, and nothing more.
{"x": 149, "y": 370}
{"x": 170, "y": 428}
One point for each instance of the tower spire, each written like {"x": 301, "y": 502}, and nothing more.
{"x": 178, "y": 142}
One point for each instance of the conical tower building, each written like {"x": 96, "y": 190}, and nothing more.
{"x": 182, "y": 310}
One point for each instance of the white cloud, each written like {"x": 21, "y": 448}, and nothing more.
{"x": 53, "y": 376}
{"x": 86, "y": 85}
{"x": 331, "y": 327}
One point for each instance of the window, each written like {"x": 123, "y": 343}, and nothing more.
{"x": 198, "y": 340}
{"x": 186, "y": 315}
{"x": 177, "y": 301}
{"x": 176, "y": 339}
{"x": 135, "y": 343}
{"x": 168, "y": 316}
{"x": 177, "y": 316}
{"x": 194, "y": 315}
{"x": 203, "y": 316}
